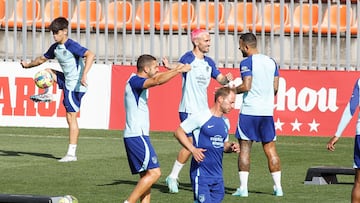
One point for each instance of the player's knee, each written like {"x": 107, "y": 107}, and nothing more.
{"x": 156, "y": 174}
{"x": 275, "y": 161}
{"x": 244, "y": 164}
{"x": 357, "y": 184}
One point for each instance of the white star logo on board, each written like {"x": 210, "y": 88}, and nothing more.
{"x": 278, "y": 124}
{"x": 314, "y": 126}
{"x": 296, "y": 125}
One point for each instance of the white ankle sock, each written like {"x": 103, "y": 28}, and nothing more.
{"x": 72, "y": 149}
{"x": 176, "y": 169}
{"x": 244, "y": 176}
{"x": 277, "y": 179}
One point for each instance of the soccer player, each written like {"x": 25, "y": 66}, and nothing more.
{"x": 210, "y": 139}
{"x": 194, "y": 91}
{"x": 73, "y": 79}
{"x": 141, "y": 155}
{"x": 348, "y": 113}
{"x": 260, "y": 76}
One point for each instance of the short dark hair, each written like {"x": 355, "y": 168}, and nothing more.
{"x": 144, "y": 60}
{"x": 59, "y": 23}
{"x": 223, "y": 92}
{"x": 249, "y": 39}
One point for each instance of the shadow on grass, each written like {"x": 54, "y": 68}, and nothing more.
{"x": 345, "y": 183}
{"x": 230, "y": 191}
{"x": 18, "y": 153}
{"x": 160, "y": 187}
{"x": 164, "y": 188}
{"x": 338, "y": 183}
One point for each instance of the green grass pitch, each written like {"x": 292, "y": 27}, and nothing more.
{"x": 28, "y": 158}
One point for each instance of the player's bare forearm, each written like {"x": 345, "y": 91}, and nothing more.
{"x": 276, "y": 85}
{"x": 88, "y": 63}
{"x": 37, "y": 61}
{"x": 169, "y": 65}
{"x": 183, "y": 140}
{"x": 224, "y": 79}
{"x": 245, "y": 85}
{"x": 164, "y": 77}
{"x": 89, "y": 60}
{"x": 198, "y": 153}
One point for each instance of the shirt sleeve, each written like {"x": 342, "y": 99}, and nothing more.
{"x": 276, "y": 73}
{"x": 246, "y": 67}
{"x": 214, "y": 70}
{"x": 137, "y": 84}
{"x": 227, "y": 123}
{"x": 50, "y": 52}
{"x": 76, "y": 48}
{"x": 195, "y": 121}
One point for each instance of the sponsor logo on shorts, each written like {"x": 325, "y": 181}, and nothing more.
{"x": 154, "y": 159}
{"x": 202, "y": 198}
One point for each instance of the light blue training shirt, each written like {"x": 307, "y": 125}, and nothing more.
{"x": 195, "y": 82}
{"x": 70, "y": 57}
{"x": 259, "y": 100}
{"x": 136, "y": 105}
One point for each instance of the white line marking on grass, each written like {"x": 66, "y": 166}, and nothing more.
{"x": 59, "y": 137}
{"x": 80, "y": 137}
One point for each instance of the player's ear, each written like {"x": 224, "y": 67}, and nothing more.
{"x": 196, "y": 42}
{"x": 146, "y": 69}
{"x": 221, "y": 99}
{"x": 246, "y": 47}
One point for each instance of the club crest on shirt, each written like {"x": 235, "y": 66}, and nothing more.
{"x": 207, "y": 68}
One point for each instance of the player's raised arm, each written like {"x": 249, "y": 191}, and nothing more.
{"x": 37, "y": 61}
{"x": 169, "y": 65}
{"x": 161, "y": 78}
{"x": 224, "y": 79}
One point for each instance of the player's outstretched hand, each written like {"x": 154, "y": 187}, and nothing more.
{"x": 166, "y": 63}
{"x": 84, "y": 80}
{"x": 234, "y": 83}
{"x": 198, "y": 154}
{"x": 235, "y": 147}
{"x": 331, "y": 144}
{"x": 229, "y": 76}
{"x": 23, "y": 64}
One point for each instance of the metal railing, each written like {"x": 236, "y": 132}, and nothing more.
{"x": 317, "y": 47}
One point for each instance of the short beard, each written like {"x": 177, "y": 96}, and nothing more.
{"x": 244, "y": 54}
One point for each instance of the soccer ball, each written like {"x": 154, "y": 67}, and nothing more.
{"x": 68, "y": 199}
{"x": 43, "y": 79}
